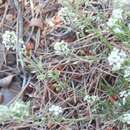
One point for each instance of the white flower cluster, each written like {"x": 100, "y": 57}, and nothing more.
{"x": 116, "y": 58}
{"x": 9, "y": 39}
{"x": 124, "y": 95}
{"x": 17, "y": 111}
{"x": 91, "y": 99}
{"x": 119, "y": 3}
{"x": 114, "y": 19}
{"x": 61, "y": 48}
{"x": 127, "y": 73}
{"x": 129, "y": 26}
{"x": 4, "y": 113}
{"x": 56, "y": 110}
{"x": 67, "y": 15}
{"x": 126, "y": 118}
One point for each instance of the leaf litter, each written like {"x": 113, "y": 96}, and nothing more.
{"x": 59, "y": 58}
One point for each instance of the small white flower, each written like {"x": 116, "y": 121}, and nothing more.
{"x": 9, "y": 39}
{"x": 120, "y": 3}
{"x": 111, "y": 22}
{"x": 91, "y": 99}
{"x": 126, "y": 118}
{"x": 56, "y": 110}
{"x": 61, "y": 48}
{"x": 69, "y": 17}
{"x": 117, "y": 14}
{"x": 127, "y": 73}
{"x": 19, "y": 110}
{"x": 118, "y": 30}
{"x": 114, "y": 19}
{"x": 129, "y": 26}
{"x": 4, "y": 113}
{"x": 124, "y": 95}
{"x": 116, "y": 67}
{"x": 122, "y": 55}
{"x": 116, "y": 58}
{"x": 66, "y": 15}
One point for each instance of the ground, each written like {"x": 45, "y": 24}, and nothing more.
{"x": 64, "y": 65}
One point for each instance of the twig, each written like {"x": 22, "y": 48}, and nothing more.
{"x": 19, "y": 29}
{"x": 5, "y": 12}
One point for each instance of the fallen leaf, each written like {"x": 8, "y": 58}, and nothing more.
{"x": 36, "y": 22}
{"x": 8, "y": 95}
{"x": 5, "y": 82}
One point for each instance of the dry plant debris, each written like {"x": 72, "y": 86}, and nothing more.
{"x": 64, "y": 65}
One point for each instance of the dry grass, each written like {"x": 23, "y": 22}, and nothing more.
{"x": 84, "y": 71}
